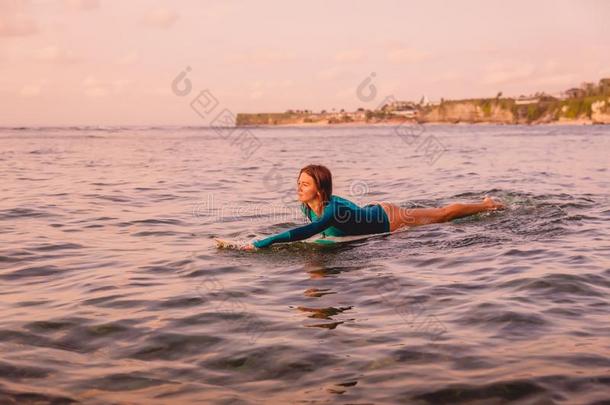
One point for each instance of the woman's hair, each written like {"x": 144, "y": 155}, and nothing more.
{"x": 323, "y": 180}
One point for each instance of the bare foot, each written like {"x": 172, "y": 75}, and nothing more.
{"x": 492, "y": 204}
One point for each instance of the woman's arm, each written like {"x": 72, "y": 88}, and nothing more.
{"x": 300, "y": 233}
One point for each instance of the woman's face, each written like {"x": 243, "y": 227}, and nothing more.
{"x": 306, "y": 188}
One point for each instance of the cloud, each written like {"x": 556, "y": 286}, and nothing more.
{"x": 160, "y": 91}
{"x": 561, "y": 79}
{"x": 262, "y": 57}
{"x": 346, "y": 93}
{"x": 83, "y": 5}
{"x": 17, "y": 26}
{"x": 605, "y": 72}
{"x": 259, "y": 88}
{"x": 220, "y": 9}
{"x": 130, "y": 58}
{"x": 352, "y": 55}
{"x": 95, "y": 88}
{"x": 271, "y": 84}
{"x": 30, "y": 90}
{"x": 256, "y": 94}
{"x": 14, "y": 19}
{"x": 406, "y": 55}
{"x": 55, "y": 54}
{"x": 549, "y": 73}
{"x": 119, "y": 85}
{"x": 92, "y": 87}
{"x": 506, "y": 72}
{"x": 160, "y": 18}
{"x": 448, "y": 77}
{"x": 331, "y": 73}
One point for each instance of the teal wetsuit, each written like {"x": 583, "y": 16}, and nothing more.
{"x": 340, "y": 217}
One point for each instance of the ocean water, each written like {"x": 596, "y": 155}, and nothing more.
{"x": 112, "y": 289}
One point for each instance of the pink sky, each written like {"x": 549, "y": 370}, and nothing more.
{"x": 107, "y": 62}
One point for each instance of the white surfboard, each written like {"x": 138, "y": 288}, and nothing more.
{"x": 316, "y": 239}
{"x": 228, "y": 244}
{"x": 331, "y": 240}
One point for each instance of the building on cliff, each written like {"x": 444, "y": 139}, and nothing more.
{"x": 403, "y": 108}
{"x": 527, "y": 100}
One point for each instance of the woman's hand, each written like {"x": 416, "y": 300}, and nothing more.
{"x": 492, "y": 204}
{"x": 248, "y": 247}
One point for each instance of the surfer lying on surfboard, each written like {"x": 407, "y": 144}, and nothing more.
{"x": 336, "y": 216}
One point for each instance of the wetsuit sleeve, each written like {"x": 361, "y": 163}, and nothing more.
{"x": 300, "y": 233}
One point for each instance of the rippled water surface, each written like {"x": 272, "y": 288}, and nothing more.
{"x": 112, "y": 290}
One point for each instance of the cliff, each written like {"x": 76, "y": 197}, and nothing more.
{"x": 471, "y": 111}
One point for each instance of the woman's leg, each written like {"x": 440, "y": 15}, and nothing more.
{"x": 400, "y": 217}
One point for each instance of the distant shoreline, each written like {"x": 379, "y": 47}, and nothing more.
{"x": 437, "y": 123}
{"x": 587, "y": 105}
{"x": 304, "y": 125}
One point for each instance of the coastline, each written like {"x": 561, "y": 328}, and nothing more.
{"x": 578, "y": 122}
{"x": 588, "y": 105}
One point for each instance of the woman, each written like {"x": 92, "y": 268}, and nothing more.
{"x": 336, "y": 216}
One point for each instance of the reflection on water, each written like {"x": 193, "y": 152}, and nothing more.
{"x": 113, "y": 292}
